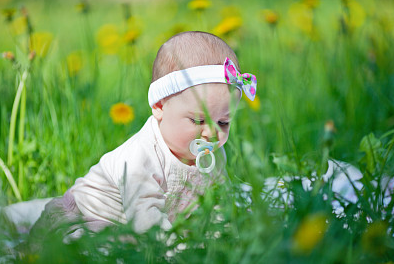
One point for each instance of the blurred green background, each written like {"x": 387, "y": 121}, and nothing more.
{"x": 74, "y": 79}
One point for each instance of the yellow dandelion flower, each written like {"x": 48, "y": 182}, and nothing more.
{"x": 19, "y": 25}
{"x": 356, "y": 15}
{"x": 74, "y": 63}
{"x": 40, "y": 43}
{"x": 229, "y": 24}
{"x": 270, "y": 16}
{"x": 121, "y": 113}
{"x": 302, "y": 17}
{"x": 199, "y": 5}
{"x": 109, "y": 39}
{"x": 309, "y": 233}
{"x": 131, "y": 36}
{"x": 255, "y": 104}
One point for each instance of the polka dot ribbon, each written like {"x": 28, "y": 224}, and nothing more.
{"x": 245, "y": 81}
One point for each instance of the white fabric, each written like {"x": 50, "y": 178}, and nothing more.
{"x": 25, "y": 213}
{"x": 345, "y": 179}
{"x": 140, "y": 181}
{"x": 178, "y": 81}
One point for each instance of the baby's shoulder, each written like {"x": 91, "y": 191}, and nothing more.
{"x": 137, "y": 146}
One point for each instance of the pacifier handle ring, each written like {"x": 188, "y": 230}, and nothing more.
{"x": 208, "y": 169}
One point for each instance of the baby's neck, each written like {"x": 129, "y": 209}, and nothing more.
{"x": 185, "y": 161}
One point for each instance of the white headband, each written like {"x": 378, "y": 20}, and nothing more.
{"x": 178, "y": 81}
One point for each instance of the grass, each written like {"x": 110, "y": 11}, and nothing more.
{"x": 315, "y": 64}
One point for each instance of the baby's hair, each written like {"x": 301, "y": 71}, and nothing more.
{"x": 190, "y": 49}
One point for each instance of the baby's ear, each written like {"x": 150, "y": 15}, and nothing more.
{"x": 157, "y": 110}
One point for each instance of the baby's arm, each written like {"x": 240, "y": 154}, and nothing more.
{"x": 143, "y": 195}
{"x": 125, "y": 186}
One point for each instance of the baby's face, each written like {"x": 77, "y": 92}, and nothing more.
{"x": 183, "y": 118}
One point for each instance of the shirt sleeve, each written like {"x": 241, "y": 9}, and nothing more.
{"x": 126, "y": 186}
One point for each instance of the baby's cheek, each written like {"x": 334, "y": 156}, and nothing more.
{"x": 185, "y": 137}
{"x": 223, "y": 136}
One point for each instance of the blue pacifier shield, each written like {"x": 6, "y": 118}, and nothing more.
{"x": 200, "y": 148}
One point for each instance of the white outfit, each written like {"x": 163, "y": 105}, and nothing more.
{"x": 346, "y": 181}
{"x": 142, "y": 181}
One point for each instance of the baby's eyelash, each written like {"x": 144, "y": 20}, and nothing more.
{"x": 202, "y": 121}
{"x": 197, "y": 121}
{"x": 221, "y": 123}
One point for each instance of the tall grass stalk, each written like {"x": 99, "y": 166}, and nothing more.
{"x": 10, "y": 179}
{"x": 22, "y": 115}
{"x": 14, "y": 112}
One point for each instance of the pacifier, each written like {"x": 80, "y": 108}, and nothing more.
{"x": 201, "y": 148}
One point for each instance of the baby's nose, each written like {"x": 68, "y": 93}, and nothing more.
{"x": 209, "y": 133}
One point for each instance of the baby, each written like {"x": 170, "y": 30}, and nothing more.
{"x": 159, "y": 171}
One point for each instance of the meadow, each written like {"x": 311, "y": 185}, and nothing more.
{"x": 73, "y": 85}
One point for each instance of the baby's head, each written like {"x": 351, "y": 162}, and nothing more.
{"x": 191, "y": 49}
{"x": 185, "y": 99}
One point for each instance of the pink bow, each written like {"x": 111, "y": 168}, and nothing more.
{"x": 245, "y": 81}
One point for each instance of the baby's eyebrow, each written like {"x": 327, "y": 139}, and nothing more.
{"x": 227, "y": 115}
{"x": 202, "y": 114}
{"x": 195, "y": 113}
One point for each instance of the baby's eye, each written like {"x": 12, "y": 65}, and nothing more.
{"x": 223, "y": 124}
{"x": 197, "y": 121}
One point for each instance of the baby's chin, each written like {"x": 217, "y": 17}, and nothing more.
{"x": 188, "y": 159}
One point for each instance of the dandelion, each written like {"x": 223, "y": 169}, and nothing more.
{"x": 109, "y": 39}
{"x": 229, "y": 24}
{"x": 131, "y": 36}
{"x": 302, "y": 17}
{"x": 355, "y": 17}
{"x": 121, "y": 113}
{"x": 199, "y": 5}
{"x": 270, "y": 16}
{"x": 19, "y": 25}
{"x": 255, "y": 104}
{"x": 309, "y": 233}
{"x": 40, "y": 43}
{"x": 74, "y": 63}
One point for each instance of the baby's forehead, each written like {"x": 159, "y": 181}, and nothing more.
{"x": 203, "y": 92}
{"x": 216, "y": 99}
{"x": 212, "y": 91}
